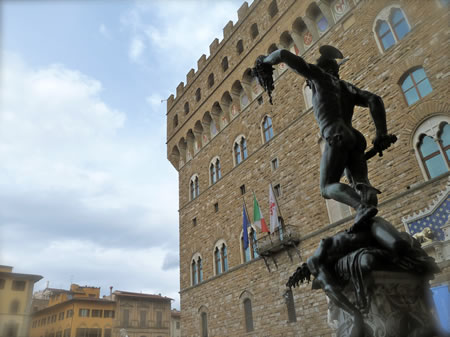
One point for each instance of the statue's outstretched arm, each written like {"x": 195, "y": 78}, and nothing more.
{"x": 295, "y": 62}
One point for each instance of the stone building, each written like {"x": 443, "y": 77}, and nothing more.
{"x": 16, "y": 290}
{"x": 142, "y": 315}
{"x": 228, "y": 144}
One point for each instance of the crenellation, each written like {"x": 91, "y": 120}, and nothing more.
{"x": 190, "y": 76}
{"x": 228, "y": 30}
{"x": 201, "y": 62}
{"x": 214, "y": 46}
{"x": 180, "y": 89}
{"x": 242, "y": 11}
{"x": 170, "y": 102}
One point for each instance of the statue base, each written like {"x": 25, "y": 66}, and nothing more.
{"x": 399, "y": 306}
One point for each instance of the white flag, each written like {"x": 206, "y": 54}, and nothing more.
{"x": 273, "y": 210}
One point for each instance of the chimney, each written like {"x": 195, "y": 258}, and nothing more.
{"x": 110, "y": 292}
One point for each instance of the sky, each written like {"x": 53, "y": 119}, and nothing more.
{"x": 87, "y": 195}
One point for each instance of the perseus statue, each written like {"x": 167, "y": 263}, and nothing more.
{"x": 333, "y": 102}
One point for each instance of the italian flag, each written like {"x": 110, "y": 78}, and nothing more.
{"x": 258, "y": 219}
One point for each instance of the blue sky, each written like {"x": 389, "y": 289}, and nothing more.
{"x": 86, "y": 192}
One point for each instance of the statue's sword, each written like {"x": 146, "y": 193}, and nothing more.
{"x": 373, "y": 151}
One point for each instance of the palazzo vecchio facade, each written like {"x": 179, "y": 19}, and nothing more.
{"x": 228, "y": 143}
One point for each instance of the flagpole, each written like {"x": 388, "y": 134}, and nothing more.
{"x": 275, "y": 196}
{"x": 254, "y": 196}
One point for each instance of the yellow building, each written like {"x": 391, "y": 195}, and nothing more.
{"x": 79, "y": 312}
{"x": 16, "y": 291}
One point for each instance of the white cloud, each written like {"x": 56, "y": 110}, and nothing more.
{"x": 174, "y": 28}
{"x": 104, "y": 31}
{"x": 78, "y": 185}
{"x": 136, "y": 49}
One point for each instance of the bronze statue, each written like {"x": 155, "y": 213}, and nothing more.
{"x": 371, "y": 243}
{"x": 333, "y": 102}
{"x": 349, "y": 257}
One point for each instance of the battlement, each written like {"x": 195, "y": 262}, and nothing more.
{"x": 214, "y": 47}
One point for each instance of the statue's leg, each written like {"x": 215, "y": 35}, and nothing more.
{"x": 332, "y": 165}
{"x": 388, "y": 237}
{"x": 357, "y": 167}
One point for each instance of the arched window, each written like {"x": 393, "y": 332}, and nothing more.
{"x": 14, "y": 307}
{"x": 198, "y": 94}
{"x": 186, "y": 108}
{"x": 194, "y": 272}
{"x": 390, "y": 26}
{"x": 204, "y": 324}
{"x": 221, "y": 257}
{"x": 254, "y": 31}
{"x": 194, "y": 187}
{"x": 273, "y": 8}
{"x": 432, "y": 146}
{"x": 415, "y": 85}
{"x": 240, "y": 47}
{"x": 267, "y": 129}
{"x": 251, "y": 252}
{"x": 315, "y": 14}
{"x": 225, "y": 63}
{"x": 214, "y": 171}
{"x": 240, "y": 150}
{"x": 210, "y": 80}
{"x": 248, "y": 315}
{"x": 196, "y": 269}
{"x": 200, "y": 269}
{"x": 218, "y": 261}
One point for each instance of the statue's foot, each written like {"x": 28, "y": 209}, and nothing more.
{"x": 363, "y": 213}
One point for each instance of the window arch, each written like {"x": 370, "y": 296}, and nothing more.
{"x": 240, "y": 150}
{"x": 175, "y": 121}
{"x": 214, "y": 170}
{"x": 254, "y": 31}
{"x": 390, "y": 26}
{"x": 238, "y": 91}
{"x": 210, "y": 80}
{"x": 220, "y": 257}
{"x": 267, "y": 129}
{"x": 203, "y": 311}
{"x": 273, "y": 8}
{"x": 315, "y": 14}
{"x": 196, "y": 269}
{"x": 251, "y": 252}
{"x": 240, "y": 47}
{"x": 198, "y": 94}
{"x": 303, "y": 34}
{"x": 415, "y": 85}
{"x": 194, "y": 188}
{"x": 225, "y": 63}
{"x": 432, "y": 146}
{"x": 186, "y": 108}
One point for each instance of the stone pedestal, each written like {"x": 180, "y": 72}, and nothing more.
{"x": 399, "y": 307}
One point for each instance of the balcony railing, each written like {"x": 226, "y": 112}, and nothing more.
{"x": 282, "y": 239}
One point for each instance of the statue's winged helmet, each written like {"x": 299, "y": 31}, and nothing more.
{"x": 327, "y": 60}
